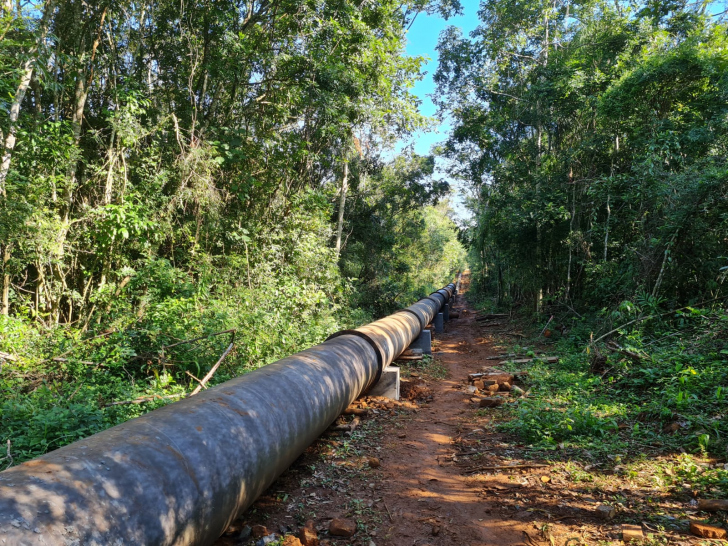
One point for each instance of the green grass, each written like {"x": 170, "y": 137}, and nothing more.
{"x": 669, "y": 406}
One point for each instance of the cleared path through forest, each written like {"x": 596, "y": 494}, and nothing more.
{"x": 418, "y": 490}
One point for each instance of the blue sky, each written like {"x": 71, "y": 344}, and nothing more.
{"x": 422, "y": 40}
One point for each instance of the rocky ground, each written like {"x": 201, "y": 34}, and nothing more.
{"x": 432, "y": 469}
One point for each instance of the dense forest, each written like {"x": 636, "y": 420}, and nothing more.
{"x": 177, "y": 176}
{"x": 593, "y": 137}
{"x": 180, "y": 177}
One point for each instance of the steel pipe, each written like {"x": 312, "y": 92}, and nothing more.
{"x": 181, "y": 474}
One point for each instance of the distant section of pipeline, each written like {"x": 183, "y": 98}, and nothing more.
{"x": 182, "y": 473}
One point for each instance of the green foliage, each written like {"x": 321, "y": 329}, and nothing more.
{"x": 175, "y": 176}
{"x": 672, "y": 397}
{"x": 594, "y": 136}
{"x": 403, "y": 243}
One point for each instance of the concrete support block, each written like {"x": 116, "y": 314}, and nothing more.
{"x": 424, "y": 342}
{"x": 439, "y": 323}
{"x": 388, "y": 384}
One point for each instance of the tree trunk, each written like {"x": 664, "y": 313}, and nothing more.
{"x": 342, "y": 206}
{"x": 25, "y": 79}
{"x": 5, "y": 309}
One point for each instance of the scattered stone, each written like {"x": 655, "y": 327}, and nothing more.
{"x": 632, "y": 532}
{"x": 605, "y": 511}
{"x": 493, "y": 388}
{"x": 245, "y": 532}
{"x": 472, "y": 389}
{"x": 308, "y": 535}
{"x": 260, "y": 531}
{"x": 490, "y": 402}
{"x": 401, "y": 435}
{"x": 435, "y": 530}
{"x": 374, "y": 462}
{"x": 707, "y": 531}
{"x": 290, "y": 540}
{"x": 545, "y": 479}
{"x": 342, "y": 527}
{"x": 267, "y": 539}
{"x": 671, "y": 428}
{"x": 479, "y": 384}
{"x": 515, "y": 389}
{"x": 505, "y": 386}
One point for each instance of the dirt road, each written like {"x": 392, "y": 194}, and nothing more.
{"x": 430, "y": 498}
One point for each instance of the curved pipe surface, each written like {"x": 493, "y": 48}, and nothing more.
{"x": 181, "y": 474}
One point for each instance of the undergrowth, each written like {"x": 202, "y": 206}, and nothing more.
{"x": 654, "y": 394}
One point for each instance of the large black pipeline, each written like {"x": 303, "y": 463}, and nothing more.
{"x": 181, "y": 474}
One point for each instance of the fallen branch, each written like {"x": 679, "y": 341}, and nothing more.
{"x": 354, "y": 423}
{"x": 505, "y": 467}
{"x": 547, "y": 325}
{"x": 387, "y": 509}
{"x": 193, "y": 377}
{"x": 356, "y": 411}
{"x": 712, "y": 505}
{"x": 213, "y": 370}
{"x": 612, "y": 346}
{"x": 142, "y": 400}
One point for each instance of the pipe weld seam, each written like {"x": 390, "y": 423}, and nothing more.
{"x": 419, "y": 317}
{"x": 374, "y": 345}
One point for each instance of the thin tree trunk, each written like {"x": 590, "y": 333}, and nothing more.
{"x": 14, "y": 115}
{"x": 571, "y": 231}
{"x": 5, "y": 309}
{"x": 342, "y": 206}
{"x": 606, "y": 229}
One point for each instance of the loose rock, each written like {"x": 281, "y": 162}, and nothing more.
{"x": 632, "y": 532}
{"x": 307, "y": 535}
{"x": 605, "y": 511}
{"x": 342, "y": 527}
{"x": 290, "y": 540}
{"x": 374, "y": 462}
{"x": 707, "y": 531}
{"x": 490, "y": 402}
{"x": 260, "y": 531}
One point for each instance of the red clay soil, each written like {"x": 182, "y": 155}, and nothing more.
{"x": 430, "y": 500}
